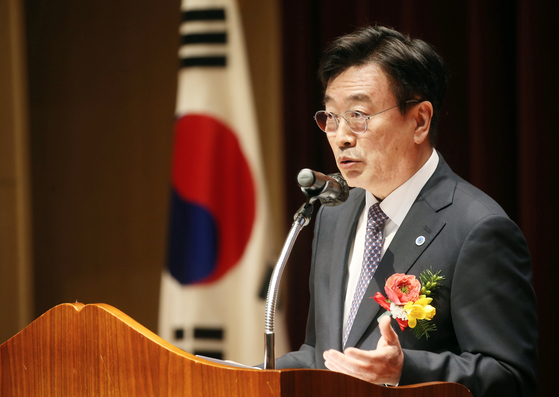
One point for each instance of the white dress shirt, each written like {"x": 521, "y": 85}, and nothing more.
{"x": 396, "y": 206}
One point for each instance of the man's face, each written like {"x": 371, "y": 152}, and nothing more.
{"x": 385, "y": 156}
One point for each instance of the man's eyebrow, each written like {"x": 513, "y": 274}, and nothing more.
{"x": 357, "y": 97}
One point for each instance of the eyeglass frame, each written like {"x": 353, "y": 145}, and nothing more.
{"x": 337, "y": 116}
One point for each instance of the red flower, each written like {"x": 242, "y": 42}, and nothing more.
{"x": 385, "y": 303}
{"x": 402, "y": 288}
{"x": 381, "y": 300}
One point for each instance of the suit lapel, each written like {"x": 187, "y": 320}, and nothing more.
{"x": 345, "y": 232}
{"x": 421, "y": 220}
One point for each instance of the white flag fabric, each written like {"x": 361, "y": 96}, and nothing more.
{"x": 219, "y": 242}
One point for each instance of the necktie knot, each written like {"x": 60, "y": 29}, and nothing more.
{"x": 377, "y": 217}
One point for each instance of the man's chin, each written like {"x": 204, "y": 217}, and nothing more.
{"x": 354, "y": 180}
{"x": 358, "y": 182}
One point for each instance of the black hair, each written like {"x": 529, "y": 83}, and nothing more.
{"x": 414, "y": 68}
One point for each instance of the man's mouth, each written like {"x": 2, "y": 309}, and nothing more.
{"x": 347, "y": 160}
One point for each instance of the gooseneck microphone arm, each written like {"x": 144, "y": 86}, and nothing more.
{"x": 301, "y": 219}
{"x": 330, "y": 190}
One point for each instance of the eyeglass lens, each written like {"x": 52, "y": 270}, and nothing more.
{"x": 328, "y": 121}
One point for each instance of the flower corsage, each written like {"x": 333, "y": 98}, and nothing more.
{"x": 409, "y": 301}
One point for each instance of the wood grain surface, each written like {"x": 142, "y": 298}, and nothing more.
{"x": 96, "y": 350}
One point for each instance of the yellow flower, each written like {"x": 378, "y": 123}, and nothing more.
{"x": 430, "y": 312}
{"x": 419, "y": 310}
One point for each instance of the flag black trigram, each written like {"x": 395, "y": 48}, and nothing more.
{"x": 206, "y": 47}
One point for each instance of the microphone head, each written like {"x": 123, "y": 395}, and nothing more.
{"x": 307, "y": 179}
{"x": 342, "y": 195}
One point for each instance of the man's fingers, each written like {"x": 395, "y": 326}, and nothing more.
{"x": 387, "y": 331}
{"x": 336, "y": 361}
{"x": 361, "y": 355}
{"x": 375, "y": 366}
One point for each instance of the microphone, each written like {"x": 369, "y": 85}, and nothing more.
{"x": 331, "y": 189}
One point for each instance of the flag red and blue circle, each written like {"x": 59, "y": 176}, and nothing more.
{"x": 213, "y": 200}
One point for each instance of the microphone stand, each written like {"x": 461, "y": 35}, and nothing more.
{"x": 301, "y": 219}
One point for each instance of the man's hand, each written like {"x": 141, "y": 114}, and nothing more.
{"x": 383, "y": 365}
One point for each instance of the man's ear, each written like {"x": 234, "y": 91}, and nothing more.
{"x": 423, "y": 115}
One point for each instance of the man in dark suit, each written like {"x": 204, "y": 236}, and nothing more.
{"x": 383, "y": 95}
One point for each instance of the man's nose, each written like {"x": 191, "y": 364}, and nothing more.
{"x": 344, "y": 136}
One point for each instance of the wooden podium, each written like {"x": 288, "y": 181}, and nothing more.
{"x": 96, "y": 350}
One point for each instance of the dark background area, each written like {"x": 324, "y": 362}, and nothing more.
{"x": 499, "y": 128}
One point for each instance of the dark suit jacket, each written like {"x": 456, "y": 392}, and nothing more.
{"x": 486, "y": 313}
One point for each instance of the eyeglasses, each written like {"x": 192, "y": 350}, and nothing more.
{"x": 356, "y": 121}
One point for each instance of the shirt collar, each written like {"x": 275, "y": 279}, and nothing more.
{"x": 397, "y": 204}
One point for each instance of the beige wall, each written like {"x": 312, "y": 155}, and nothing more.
{"x": 261, "y": 20}
{"x": 102, "y": 86}
{"x": 15, "y": 244}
